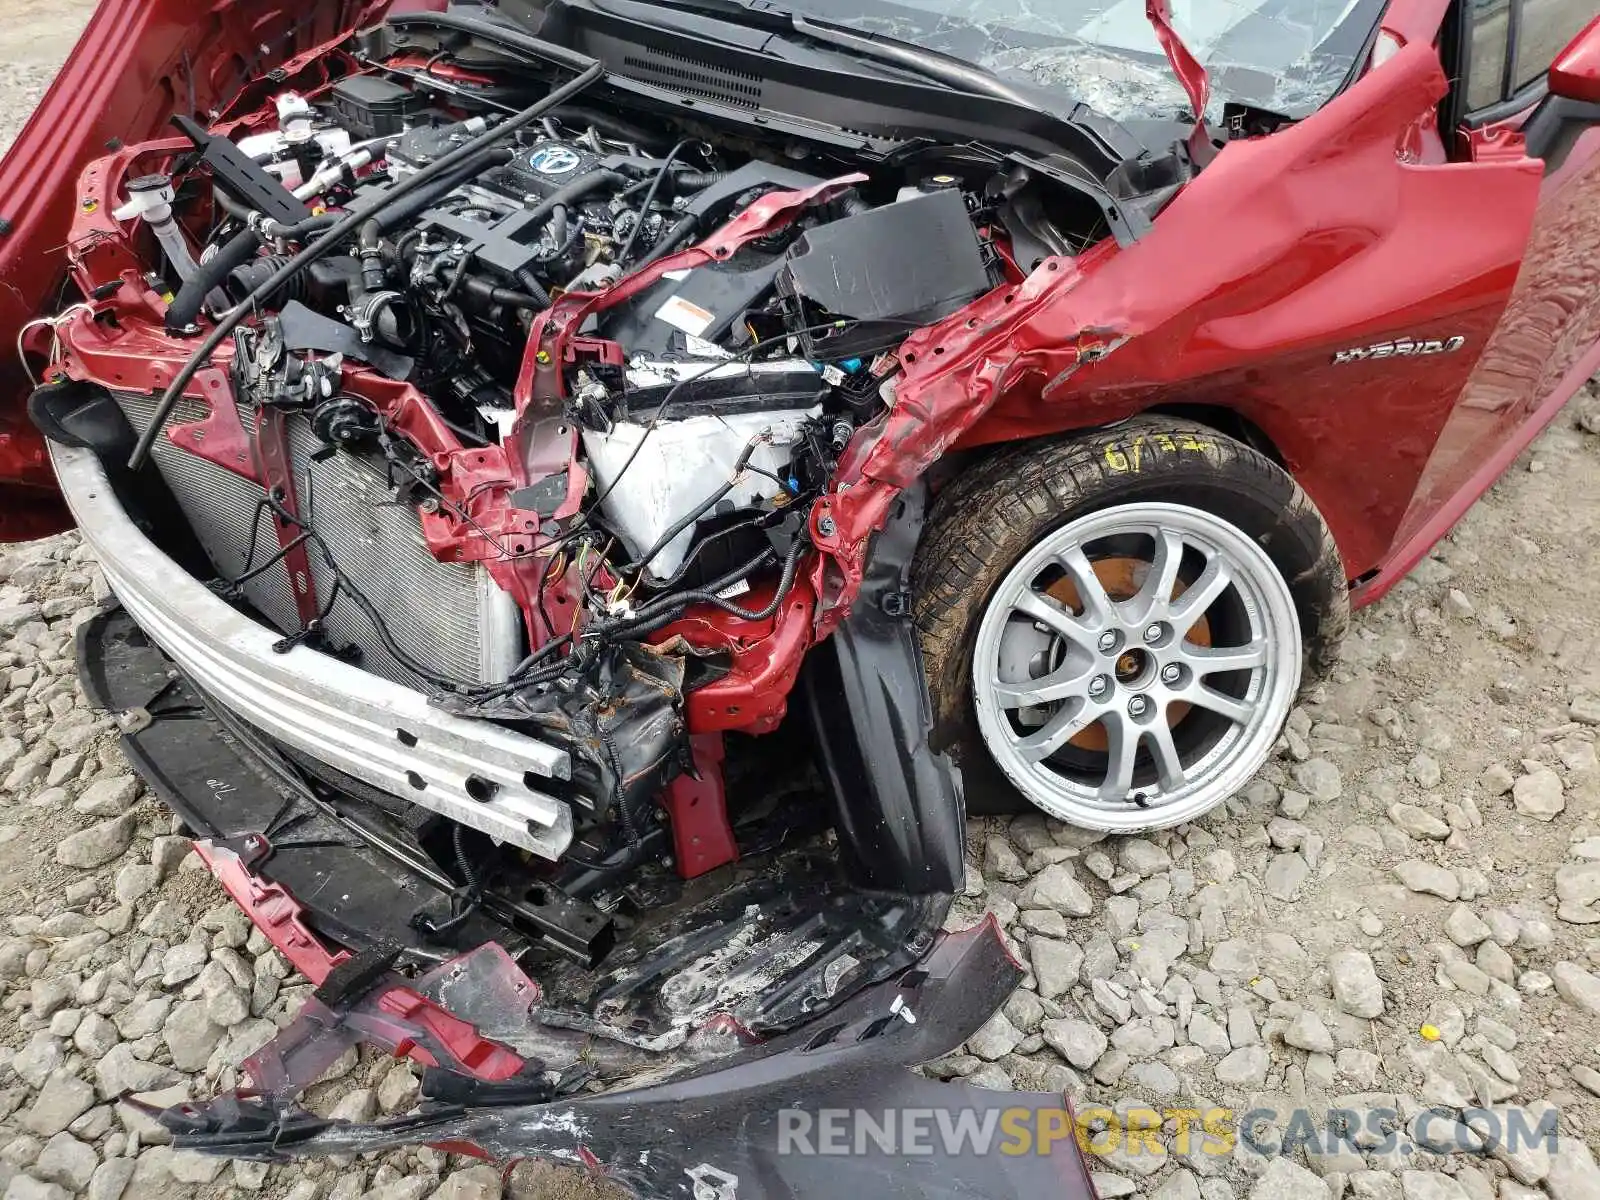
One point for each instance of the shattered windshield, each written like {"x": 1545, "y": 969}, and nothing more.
{"x": 1286, "y": 56}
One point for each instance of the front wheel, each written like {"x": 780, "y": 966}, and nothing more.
{"x": 1115, "y": 628}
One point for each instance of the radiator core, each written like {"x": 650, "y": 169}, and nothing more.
{"x": 451, "y": 618}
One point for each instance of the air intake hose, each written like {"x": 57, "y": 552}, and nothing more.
{"x": 191, "y": 297}
{"x": 592, "y": 71}
{"x": 244, "y": 279}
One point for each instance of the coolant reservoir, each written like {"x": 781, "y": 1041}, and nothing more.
{"x": 287, "y": 151}
{"x": 655, "y": 475}
{"x": 295, "y": 117}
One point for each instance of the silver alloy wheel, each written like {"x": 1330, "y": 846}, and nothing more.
{"x": 1046, "y": 672}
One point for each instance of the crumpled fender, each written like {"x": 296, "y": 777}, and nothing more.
{"x": 1278, "y": 246}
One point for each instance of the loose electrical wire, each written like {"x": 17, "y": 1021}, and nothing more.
{"x": 54, "y": 325}
{"x": 337, "y": 235}
{"x": 643, "y": 560}
{"x": 650, "y": 197}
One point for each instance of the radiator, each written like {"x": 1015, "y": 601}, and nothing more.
{"x": 451, "y": 618}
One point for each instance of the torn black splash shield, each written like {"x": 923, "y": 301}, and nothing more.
{"x": 754, "y": 1126}
{"x": 766, "y": 946}
{"x": 511, "y": 1039}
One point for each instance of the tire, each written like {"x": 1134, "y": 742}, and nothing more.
{"x": 1084, "y": 535}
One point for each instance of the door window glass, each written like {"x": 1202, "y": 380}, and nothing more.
{"x": 1511, "y": 44}
{"x": 1488, "y": 37}
{"x": 1546, "y": 29}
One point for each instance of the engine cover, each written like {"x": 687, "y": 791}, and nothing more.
{"x": 546, "y": 167}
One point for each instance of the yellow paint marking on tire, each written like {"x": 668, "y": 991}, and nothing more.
{"x": 1128, "y": 457}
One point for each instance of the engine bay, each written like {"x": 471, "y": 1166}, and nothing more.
{"x": 559, "y": 413}
{"x": 709, "y": 405}
{"x": 700, "y": 403}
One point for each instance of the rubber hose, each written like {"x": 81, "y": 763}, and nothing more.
{"x": 403, "y": 211}
{"x": 369, "y": 249}
{"x": 568, "y": 197}
{"x": 683, "y": 600}
{"x": 240, "y": 211}
{"x": 315, "y": 223}
{"x": 853, "y": 204}
{"x": 695, "y": 181}
{"x": 191, "y": 297}
{"x": 236, "y": 209}
{"x": 324, "y": 245}
{"x": 623, "y": 131}
{"x": 405, "y": 248}
{"x": 480, "y": 288}
{"x": 565, "y": 247}
{"x": 533, "y": 287}
{"x": 242, "y": 280}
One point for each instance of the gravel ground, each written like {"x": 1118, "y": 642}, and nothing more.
{"x": 1401, "y": 911}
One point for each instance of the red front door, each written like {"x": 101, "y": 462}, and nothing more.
{"x": 1548, "y": 341}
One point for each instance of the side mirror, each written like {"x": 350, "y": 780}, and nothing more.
{"x": 1575, "y": 75}
{"x": 1573, "y": 103}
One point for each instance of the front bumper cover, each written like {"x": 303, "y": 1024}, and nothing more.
{"x": 384, "y": 734}
{"x": 744, "y": 1129}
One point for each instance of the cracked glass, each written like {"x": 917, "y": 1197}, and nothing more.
{"x": 1285, "y": 56}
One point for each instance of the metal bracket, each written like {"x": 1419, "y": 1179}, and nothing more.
{"x": 134, "y": 720}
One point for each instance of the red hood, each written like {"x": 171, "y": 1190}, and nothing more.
{"x": 1196, "y": 83}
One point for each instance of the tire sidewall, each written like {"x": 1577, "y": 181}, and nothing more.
{"x": 1171, "y": 463}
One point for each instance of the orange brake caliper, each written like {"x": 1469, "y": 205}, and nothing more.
{"x": 1121, "y": 578}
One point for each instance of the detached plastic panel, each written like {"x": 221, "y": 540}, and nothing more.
{"x": 892, "y": 268}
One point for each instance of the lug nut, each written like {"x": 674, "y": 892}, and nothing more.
{"x": 1171, "y": 673}
{"x": 1138, "y": 706}
{"x": 1108, "y": 641}
{"x": 1098, "y": 686}
{"x": 1152, "y": 633}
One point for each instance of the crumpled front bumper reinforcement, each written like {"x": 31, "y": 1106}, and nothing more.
{"x": 382, "y": 733}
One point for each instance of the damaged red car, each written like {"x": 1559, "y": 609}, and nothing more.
{"x": 597, "y": 490}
